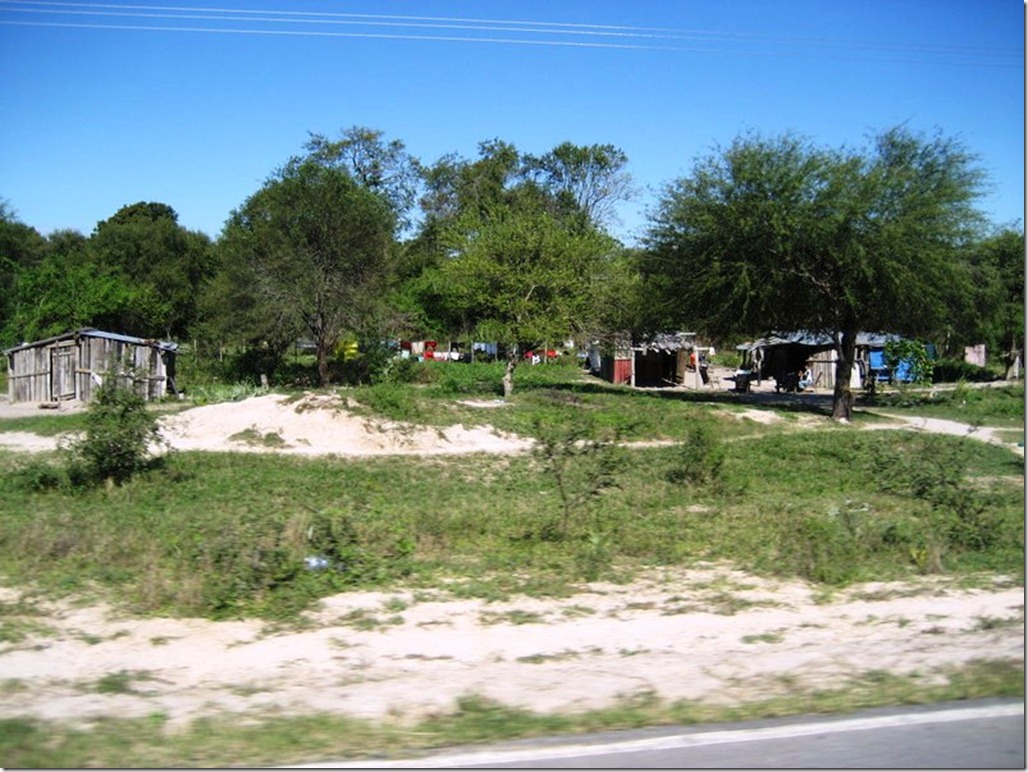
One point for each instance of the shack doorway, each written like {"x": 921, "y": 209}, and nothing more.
{"x": 62, "y": 372}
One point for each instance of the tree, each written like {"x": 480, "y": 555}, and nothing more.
{"x": 776, "y": 234}
{"x": 21, "y": 250}
{"x": 66, "y": 291}
{"x": 590, "y": 180}
{"x": 384, "y": 168}
{"x": 310, "y": 251}
{"x": 164, "y": 265}
{"x": 521, "y": 277}
{"x": 996, "y": 267}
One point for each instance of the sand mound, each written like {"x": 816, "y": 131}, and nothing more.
{"x": 321, "y": 425}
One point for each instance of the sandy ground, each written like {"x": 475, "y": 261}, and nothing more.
{"x": 710, "y": 633}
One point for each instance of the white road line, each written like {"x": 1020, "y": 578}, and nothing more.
{"x": 694, "y": 739}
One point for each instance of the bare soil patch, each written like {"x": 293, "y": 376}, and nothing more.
{"x": 708, "y": 634}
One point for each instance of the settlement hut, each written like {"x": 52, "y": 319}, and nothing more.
{"x": 73, "y": 365}
{"x": 787, "y": 352}
{"x": 660, "y": 360}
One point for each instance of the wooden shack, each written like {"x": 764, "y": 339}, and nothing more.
{"x": 72, "y": 366}
{"x": 656, "y": 361}
{"x": 788, "y": 352}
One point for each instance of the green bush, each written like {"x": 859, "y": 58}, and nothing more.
{"x": 279, "y": 568}
{"x": 120, "y": 432}
{"x": 699, "y": 459}
{"x": 581, "y": 462}
{"x": 935, "y": 474}
{"x": 955, "y": 370}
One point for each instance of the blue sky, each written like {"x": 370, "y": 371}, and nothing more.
{"x": 195, "y": 103}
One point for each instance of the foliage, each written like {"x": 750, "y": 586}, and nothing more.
{"x": 909, "y": 354}
{"x": 778, "y": 234}
{"x": 384, "y": 168}
{"x": 118, "y": 440}
{"x": 998, "y": 406}
{"x": 21, "y": 248}
{"x": 954, "y": 370}
{"x": 935, "y": 474}
{"x": 308, "y": 254}
{"x": 588, "y": 180}
{"x": 221, "y": 534}
{"x": 163, "y": 266}
{"x": 992, "y": 309}
{"x": 522, "y": 278}
{"x": 66, "y": 290}
{"x": 699, "y": 458}
{"x": 139, "y": 272}
{"x": 582, "y": 464}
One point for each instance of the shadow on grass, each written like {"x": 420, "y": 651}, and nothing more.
{"x": 817, "y": 404}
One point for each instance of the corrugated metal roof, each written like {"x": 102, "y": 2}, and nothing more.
{"x": 668, "y": 341}
{"x": 816, "y": 339}
{"x": 89, "y": 332}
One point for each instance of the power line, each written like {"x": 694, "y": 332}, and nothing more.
{"x": 643, "y": 38}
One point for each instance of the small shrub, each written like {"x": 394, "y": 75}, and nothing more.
{"x": 699, "y": 459}
{"x": 912, "y": 355}
{"x": 118, "y": 438}
{"x": 581, "y": 465}
{"x": 277, "y": 569}
{"x": 38, "y": 476}
{"x": 819, "y": 549}
{"x": 934, "y": 473}
{"x": 392, "y": 400}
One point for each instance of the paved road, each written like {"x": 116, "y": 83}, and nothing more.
{"x": 982, "y": 734}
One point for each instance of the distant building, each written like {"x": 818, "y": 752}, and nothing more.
{"x": 787, "y": 352}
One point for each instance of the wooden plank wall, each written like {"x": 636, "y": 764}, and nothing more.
{"x": 31, "y": 376}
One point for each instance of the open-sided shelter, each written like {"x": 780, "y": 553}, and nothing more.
{"x": 787, "y": 352}
{"x": 72, "y": 366}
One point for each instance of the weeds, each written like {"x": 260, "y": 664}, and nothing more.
{"x": 581, "y": 464}
{"x": 699, "y": 459}
{"x": 121, "y": 682}
{"x": 224, "y": 535}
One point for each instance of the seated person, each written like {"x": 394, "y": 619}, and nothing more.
{"x": 806, "y": 379}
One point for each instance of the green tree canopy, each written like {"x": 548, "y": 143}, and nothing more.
{"x": 777, "y": 234}
{"x": 21, "y": 249}
{"x": 521, "y": 277}
{"x": 66, "y": 291}
{"x": 996, "y": 273}
{"x": 384, "y": 168}
{"x": 164, "y": 266}
{"x": 569, "y": 191}
{"x": 588, "y": 180}
{"x": 307, "y": 254}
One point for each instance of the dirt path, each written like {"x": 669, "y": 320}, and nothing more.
{"x": 955, "y": 428}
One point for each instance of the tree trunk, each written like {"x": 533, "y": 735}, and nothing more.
{"x": 842, "y": 398}
{"x": 323, "y": 374}
{"x": 508, "y": 374}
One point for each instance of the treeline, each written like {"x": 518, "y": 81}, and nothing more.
{"x": 356, "y": 238}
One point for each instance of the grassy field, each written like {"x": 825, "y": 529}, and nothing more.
{"x": 223, "y": 535}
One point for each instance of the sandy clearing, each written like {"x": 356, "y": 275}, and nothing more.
{"x": 672, "y": 634}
